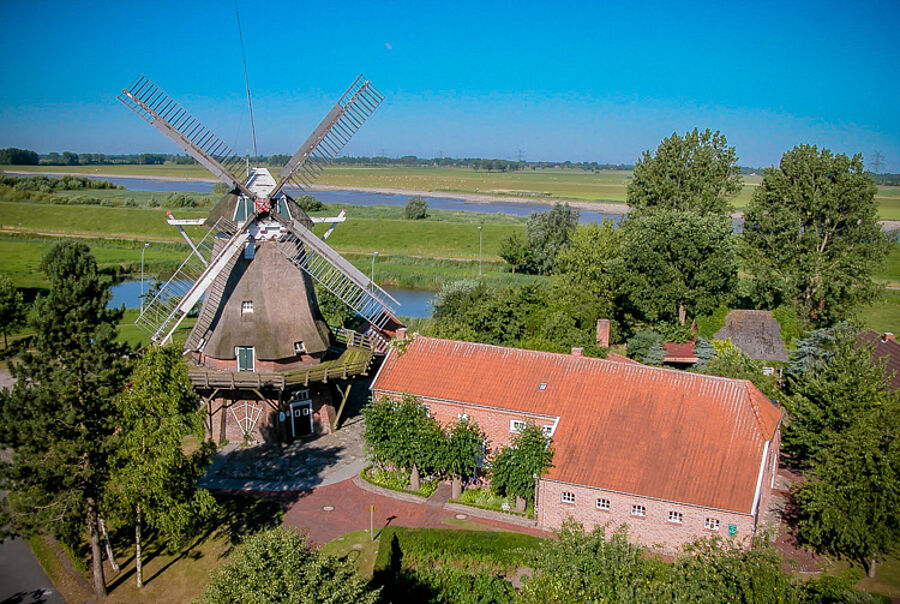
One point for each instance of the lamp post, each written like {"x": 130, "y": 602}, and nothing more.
{"x": 144, "y": 249}
{"x": 372, "y": 276}
{"x": 479, "y": 250}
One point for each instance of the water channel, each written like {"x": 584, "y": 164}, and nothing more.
{"x": 413, "y": 302}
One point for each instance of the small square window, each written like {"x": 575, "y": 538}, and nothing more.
{"x": 603, "y": 504}
{"x": 676, "y": 517}
{"x": 542, "y": 386}
{"x": 246, "y": 307}
{"x": 547, "y": 431}
{"x": 299, "y": 348}
{"x": 568, "y": 497}
{"x": 638, "y": 510}
{"x": 516, "y": 425}
{"x": 463, "y": 416}
{"x": 711, "y": 524}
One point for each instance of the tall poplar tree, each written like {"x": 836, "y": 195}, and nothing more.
{"x": 59, "y": 418}
{"x": 155, "y": 472}
{"x": 812, "y": 235}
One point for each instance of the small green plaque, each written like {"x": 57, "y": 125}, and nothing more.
{"x": 732, "y": 530}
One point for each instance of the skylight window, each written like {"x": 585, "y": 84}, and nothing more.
{"x": 542, "y": 386}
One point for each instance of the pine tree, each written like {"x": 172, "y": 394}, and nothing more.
{"x": 60, "y": 418}
{"x": 154, "y": 478}
{"x": 12, "y": 307}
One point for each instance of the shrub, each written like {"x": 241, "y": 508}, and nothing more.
{"x": 279, "y": 565}
{"x": 308, "y": 203}
{"x": 416, "y": 208}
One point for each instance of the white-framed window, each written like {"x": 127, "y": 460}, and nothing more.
{"x": 463, "y": 416}
{"x": 302, "y": 395}
{"x": 299, "y": 347}
{"x": 427, "y": 410}
{"x": 568, "y": 497}
{"x": 542, "y": 386}
{"x": 246, "y": 358}
{"x": 638, "y": 510}
{"x": 603, "y": 504}
{"x": 249, "y": 250}
{"x": 517, "y": 425}
{"x": 676, "y": 517}
{"x": 247, "y": 307}
{"x": 768, "y": 371}
{"x": 711, "y": 524}
{"x": 547, "y": 430}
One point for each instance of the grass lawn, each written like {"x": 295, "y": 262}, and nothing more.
{"x": 549, "y": 183}
{"x": 885, "y": 583}
{"x": 176, "y": 577}
{"x": 885, "y": 315}
{"x": 359, "y": 548}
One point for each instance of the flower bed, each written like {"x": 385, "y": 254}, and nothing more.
{"x": 488, "y": 500}
{"x": 397, "y": 480}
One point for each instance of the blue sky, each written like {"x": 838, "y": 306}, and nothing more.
{"x": 582, "y": 80}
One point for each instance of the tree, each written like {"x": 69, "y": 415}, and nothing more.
{"x": 586, "y": 283}
{"x": 514, "y": 250}
{"x": 678, "y": 265}
{"x": 811, "y": 235}
{"x": 308, "y": 203}
{"x": 731, "y": 362}
{"x": 60, "y": 418}
{"x": 279, "y": 565}
{"x": 639, "y": 345}
{"x": 828, "y": 396}
{"x": 849, "y": 506}
{"x": 464, "y": 448}
{"x": 516, "y": 467}
{"x": 697, "y": 172}
{"x": 546, "y": 235}
{"x": 12, "y": 307}
{"x": 18, "y": 157}
{"x": 416, "y": 208}
{"x": 154, "y": 479}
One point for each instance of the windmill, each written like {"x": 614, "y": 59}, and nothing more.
{"x": 259, "y": 337}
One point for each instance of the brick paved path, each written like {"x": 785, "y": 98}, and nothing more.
{"x": 351, "y": 513}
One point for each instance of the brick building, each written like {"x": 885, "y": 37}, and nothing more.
{"x": 673, "y": 455}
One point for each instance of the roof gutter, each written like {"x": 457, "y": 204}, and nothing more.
{"x": 762, "y": 468}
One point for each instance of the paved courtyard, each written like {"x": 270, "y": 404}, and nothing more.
{"x": 297, "y": 466}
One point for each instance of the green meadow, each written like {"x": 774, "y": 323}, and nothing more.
{"x": 547, "y": 183}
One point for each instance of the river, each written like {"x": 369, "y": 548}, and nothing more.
{"x": 413, "y": 302}
{"x": 365, "y": 198}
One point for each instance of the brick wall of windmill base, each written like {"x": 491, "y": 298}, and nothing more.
{"x": 261, "y": 365}
{"x": 652, "y": 530}
{"x": 269, "y": 427}
{"x": 495, "y": 423}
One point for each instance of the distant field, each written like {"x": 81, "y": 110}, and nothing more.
{"x": 884, "y": 315}
{"x": 606, "y": 185}
{"x": 581, "y": 185}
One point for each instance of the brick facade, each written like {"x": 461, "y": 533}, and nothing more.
{"x": 653, "y": 529}
{"x": 222, "y": 425}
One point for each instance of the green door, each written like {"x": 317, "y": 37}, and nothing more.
{"x": 245, "y": 358}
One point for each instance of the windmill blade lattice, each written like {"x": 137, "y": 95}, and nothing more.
{"x": 167, "y": 116}
{"x": 337, "y": 275}
{"x": 196, "y": 274}
{"x": 328, "y": 139}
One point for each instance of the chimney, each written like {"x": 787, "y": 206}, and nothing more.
{"x": 577, "y": 352}
{"x": 401, "y": 333}
{"x": 887, "y": 337}
{"x": 603, "y": 333}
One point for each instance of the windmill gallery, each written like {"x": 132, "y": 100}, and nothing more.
{"x": 268, "y": 368}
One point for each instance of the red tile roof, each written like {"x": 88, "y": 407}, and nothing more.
{"x": 679, "y": 352}
{"x": 625, "y": 427}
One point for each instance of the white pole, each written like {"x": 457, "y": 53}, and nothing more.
{"x": 372, "y": 276}
{"x": 479, "y": 251}
{"x": 144, "y": 249}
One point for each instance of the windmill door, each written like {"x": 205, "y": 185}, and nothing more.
{"x": 301, "y": 419}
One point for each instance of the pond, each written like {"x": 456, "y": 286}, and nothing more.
{"x": 414, "y": 303}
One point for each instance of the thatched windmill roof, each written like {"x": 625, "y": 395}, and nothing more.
{"x": 284, "y": 309}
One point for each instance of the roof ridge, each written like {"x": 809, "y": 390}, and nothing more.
{"x": 563, "y": 355}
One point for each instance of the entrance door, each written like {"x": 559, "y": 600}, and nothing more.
{"x": 301, "y": 419}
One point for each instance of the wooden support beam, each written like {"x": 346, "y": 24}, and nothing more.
{"x": 345, "y": 394}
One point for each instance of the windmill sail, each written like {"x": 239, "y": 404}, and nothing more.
{"x": 337, "y": 275}
{"x": 325, "y": 143}
{"x": 167, "y": 116}
{"x": 187, "y": 285}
